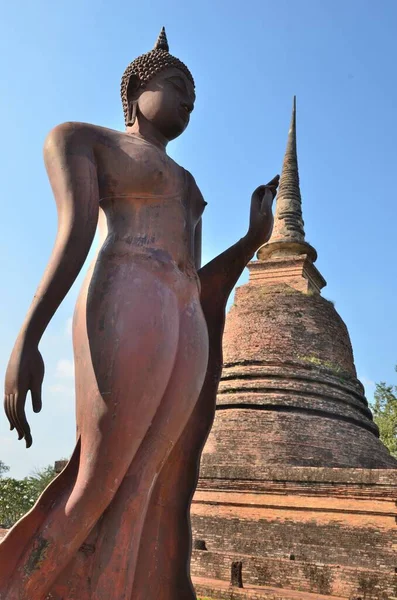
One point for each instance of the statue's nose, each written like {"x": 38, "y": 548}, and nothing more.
{"x": 188, "y": 106}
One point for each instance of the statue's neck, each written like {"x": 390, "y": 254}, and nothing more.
{"x": 144, "y": 129}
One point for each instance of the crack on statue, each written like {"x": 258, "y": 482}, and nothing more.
{"x": 37, "y": 555}
{"x": 87, "y": 549}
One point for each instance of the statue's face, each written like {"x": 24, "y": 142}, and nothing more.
{"x": 167, "y": 101}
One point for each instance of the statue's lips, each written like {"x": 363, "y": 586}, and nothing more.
{"x": 184, "y": 112}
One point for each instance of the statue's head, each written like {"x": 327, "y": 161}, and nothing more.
{"x": 160, "y": 88}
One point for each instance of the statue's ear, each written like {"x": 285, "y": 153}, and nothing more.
{"x": 132, "y": 95}
{"x": 133, "y": 86}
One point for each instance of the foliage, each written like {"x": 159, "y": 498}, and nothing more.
{"x": 385, "y": 414}
{"x": 41, "y": 478}
{"x": 3, "y": 468}
{"x": 18, "y": 496}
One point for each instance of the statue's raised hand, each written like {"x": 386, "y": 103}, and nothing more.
{"x": 261, "y": 216}
{"x": 25, "y": 372}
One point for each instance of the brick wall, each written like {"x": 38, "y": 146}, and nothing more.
{"x": 309, "y": 529}
{"x": 296, "y": 575}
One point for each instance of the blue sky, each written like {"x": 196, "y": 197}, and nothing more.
{"x": 63, "y": 61}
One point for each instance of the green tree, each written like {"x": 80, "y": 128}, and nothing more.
{"x": 3, "y": 468}
{"x": 41, "y": 478}
{"x": 18, "y": 496}
{"x": 385, "y": 414}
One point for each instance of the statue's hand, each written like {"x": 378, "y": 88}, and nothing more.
{"x": 25, "y": 372}
{"x": 261, "y": 216}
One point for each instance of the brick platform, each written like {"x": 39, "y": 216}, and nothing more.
{"x": 221, "y": 590}
{"x": 314, "y": 530}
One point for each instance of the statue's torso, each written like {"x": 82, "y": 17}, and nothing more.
{"x": 149, "y": 202}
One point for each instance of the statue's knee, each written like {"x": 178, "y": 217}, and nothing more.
{"x": 92, "y": 497}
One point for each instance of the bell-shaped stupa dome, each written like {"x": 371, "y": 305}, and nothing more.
{"x": 289, "y": 393}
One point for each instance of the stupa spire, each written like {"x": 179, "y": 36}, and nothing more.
{"x": 288, "y": 235}
{"x": 287, "y": 258}
{"x": 288, "y": 222}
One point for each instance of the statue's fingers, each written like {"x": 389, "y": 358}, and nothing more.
{"x": 14, "y": 414}
{"x": 273, "y": 183}
{"x": 19, "y": 423}
{"x": 269, "y": 194}
{"x": 11, "y": 410}
{"x": 28, "y": 439}
{"x": 23, "y": 423}
{"x": 7, "y": 411}
{"x": 259, "y": 190}
{"x": 273, "y": 190}
{"x": 266, "y": 205}
{"x": 35, "y": 391}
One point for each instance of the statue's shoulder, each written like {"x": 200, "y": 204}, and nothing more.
{"x": 74, "y": 131}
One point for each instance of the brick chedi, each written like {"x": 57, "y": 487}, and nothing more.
{"x": 289, "y": 394}
{"x": 294, "y": 481}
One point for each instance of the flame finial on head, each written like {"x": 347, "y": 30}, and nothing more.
{"x": 162, "y": 42}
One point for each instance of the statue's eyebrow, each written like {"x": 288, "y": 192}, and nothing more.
{"x": 177, "y": 78}
{"x": 181, "y": 81}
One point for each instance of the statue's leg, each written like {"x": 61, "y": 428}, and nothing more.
{"x": 166, "y": 538}
{"x": 116, "y": 548}
{"x": 164, "y": 553}
{"x": 125, "y": 353}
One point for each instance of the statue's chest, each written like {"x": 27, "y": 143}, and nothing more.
{"x": 140, "y": 170}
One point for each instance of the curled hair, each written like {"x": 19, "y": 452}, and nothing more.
{"x": 146, "y": 66}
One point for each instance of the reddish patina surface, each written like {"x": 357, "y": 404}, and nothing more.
{"x": 147, "y": 341}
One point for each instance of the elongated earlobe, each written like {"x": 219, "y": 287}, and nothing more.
{"x": 132, "y": 111}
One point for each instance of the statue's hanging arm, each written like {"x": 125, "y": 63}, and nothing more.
{"x": 70, "y": 163}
